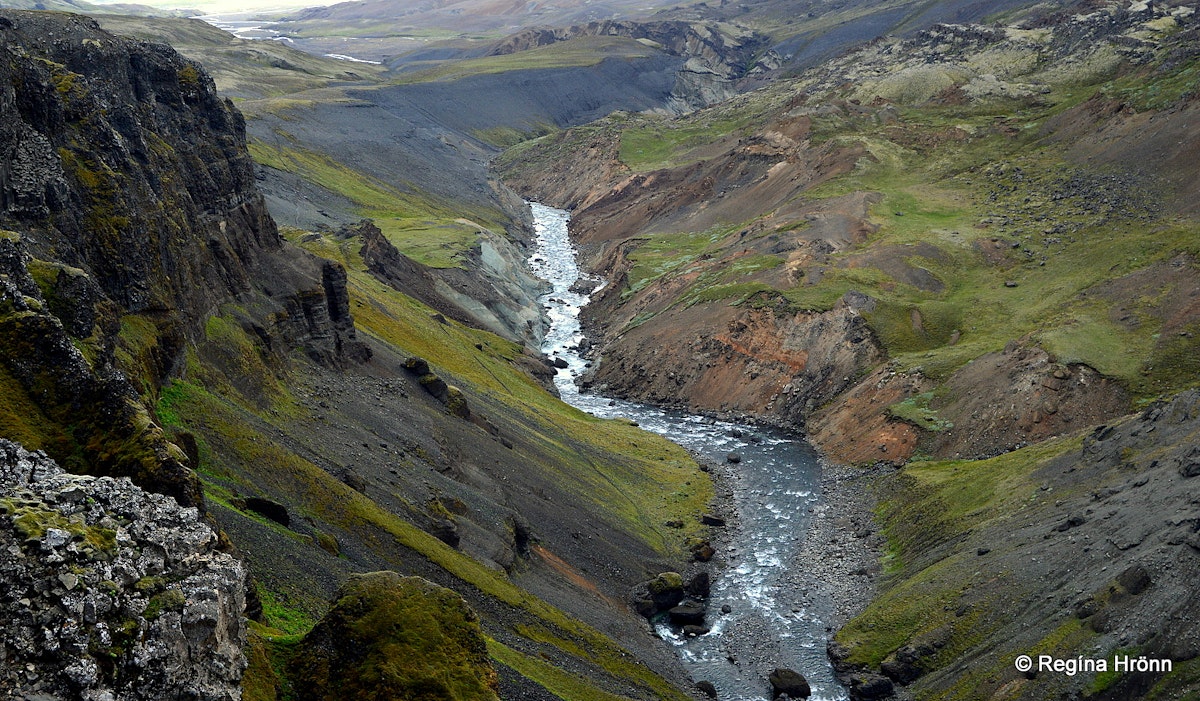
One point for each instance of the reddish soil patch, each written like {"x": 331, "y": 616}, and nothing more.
{"x": 856, "y": 429}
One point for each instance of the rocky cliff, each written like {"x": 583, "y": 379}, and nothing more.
{"x": 132, "y": 219}
{"x": 111, "y": 592}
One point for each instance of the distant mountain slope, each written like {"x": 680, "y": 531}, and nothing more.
{"x": 892, "y": 186}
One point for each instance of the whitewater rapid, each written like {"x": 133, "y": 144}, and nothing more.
{"x": 774, "y": 620}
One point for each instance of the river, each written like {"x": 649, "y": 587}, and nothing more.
{"x": 774, "y": 620}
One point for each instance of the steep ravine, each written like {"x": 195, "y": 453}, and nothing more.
{"x": 762, "y": 613}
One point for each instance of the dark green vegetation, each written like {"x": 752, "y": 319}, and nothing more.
{"x": 393, "y": 637}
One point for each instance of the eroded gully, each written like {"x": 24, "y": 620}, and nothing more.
{"x": 775, "y": 618}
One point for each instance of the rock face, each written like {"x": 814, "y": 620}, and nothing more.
{"x": 110, "y": 592}
{"x": 496, "y": 293}
{"x": 717, "y": 55}
{"x": 130, "y": 218}
{"x": 389, "y": 636}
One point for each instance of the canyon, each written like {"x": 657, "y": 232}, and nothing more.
{"x": 289, "y": 294}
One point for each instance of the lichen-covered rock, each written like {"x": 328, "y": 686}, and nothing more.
{"x": 394, "y": 637}
{"x": 111, "y": 593}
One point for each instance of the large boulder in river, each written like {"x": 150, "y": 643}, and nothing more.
{"x": 688, "y": 613}
{"x": 659, "y": 594}
{"x": 789, "y": 682}
{"x": 666, "y": 589}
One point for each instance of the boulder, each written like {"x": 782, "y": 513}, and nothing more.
{"x": 710, "y": 520}
{"x": 1135, "y": 579}
{"x": 702, "y": 550}
{"x": 789, "y": 682}
{"x": 866, "y": 686}
{"x": 699, "y": 585}
{"x": 270, "y": 509}
{"x": 394, "y": 637}
{"x": 733, "y": 458}
{"x": 687, "y": 613}
{"x": 666, "y": 590}
{"x": 707, "y": 688}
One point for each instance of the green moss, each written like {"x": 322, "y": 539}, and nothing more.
{"x": 328, "y": 543}
{"x": 280, "y": 615}
{"x": 189, "y": 76}
{"x": 33, "y": 518}
{"x": 389, "y": 636}
{"x": 915, "y": 410}
{"x": 260, "y": 681}
{"x": 22, "y": 420}
{"x": 169, "y": 600}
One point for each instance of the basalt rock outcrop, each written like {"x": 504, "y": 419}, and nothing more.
{"x": 123, "y": 162}
{"x": 131, "y": 217}
{"x": 111, "y": 592}
{"x": 493, "y": 292}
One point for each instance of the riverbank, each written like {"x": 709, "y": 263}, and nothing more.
{"x": 839, "y": 562}
{"x": 833, "y": 576}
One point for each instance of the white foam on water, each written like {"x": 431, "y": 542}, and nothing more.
{"x": 775, "y": 486}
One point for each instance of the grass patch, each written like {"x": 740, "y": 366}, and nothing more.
{"x": 663, "y": 142}
{"x": 561, "y": 683}
{"x": 430, "y": 232}
{"x": 22, "y": 420}
{"x": 915, "y": 410}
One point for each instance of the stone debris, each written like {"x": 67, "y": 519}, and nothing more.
{"x": 111, "y": 593}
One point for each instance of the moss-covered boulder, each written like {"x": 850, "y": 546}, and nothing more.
{"x": 393, "y": 637}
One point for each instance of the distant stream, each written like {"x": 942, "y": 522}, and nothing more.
{"x": 773, "y": 621}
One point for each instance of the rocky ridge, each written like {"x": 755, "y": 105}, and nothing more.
{"x": 111, "y": 592}
{"x": 718, "y": 55}
{"x": 132, "y": 219}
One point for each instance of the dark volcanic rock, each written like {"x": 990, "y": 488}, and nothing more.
{"x": 870, "y": 687}
{"x": 126, "y": 165}
{"x": 271, "y": 509}
{"x": 700, "y": 585}
{"x": 687, "y": 613}
{"x": 787, "y": 681}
